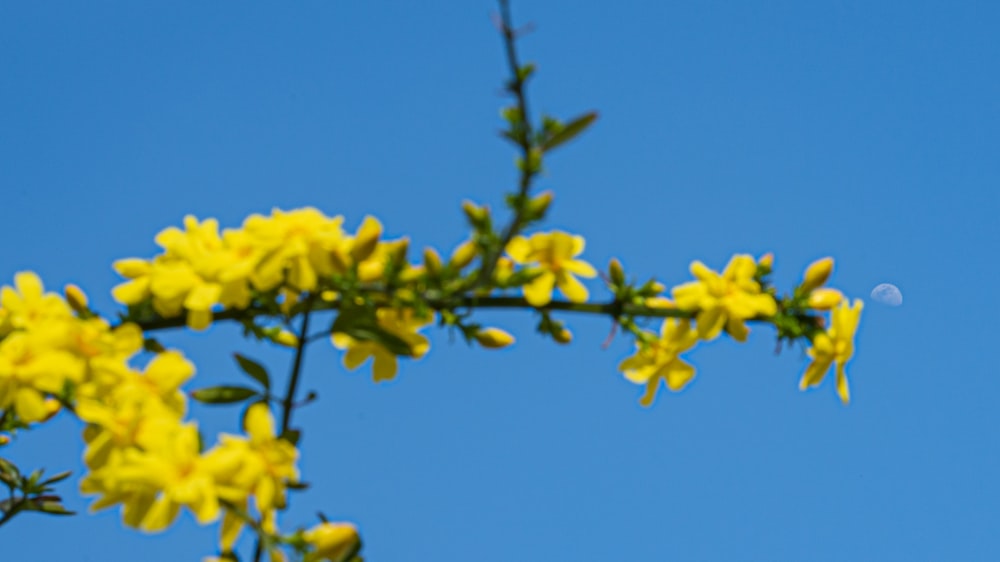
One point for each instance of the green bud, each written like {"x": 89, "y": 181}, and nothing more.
{"x": 616, "y": 273}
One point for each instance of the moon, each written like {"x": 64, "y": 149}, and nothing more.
{"x": 887, "y": 293}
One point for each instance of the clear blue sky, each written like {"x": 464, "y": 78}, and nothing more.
{"x": 866, "y": 131}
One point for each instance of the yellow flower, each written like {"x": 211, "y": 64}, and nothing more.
{"x": 400, "y": 323}
{"x": 267, "y": 463}
{"x": 836, "y": 345}
{"x": 183, "y": 277}
{"x": 660, "y": 359}
{"x": 127, "y": 413}
{"x": 27, "y": 304}
{"x": 154, "y": 483}
{"x": 725, "y": 300}
{"x": 34, "y": 365}
{"x": 552, "y": 254}
{"x": 299, "y": 243}
{"x": 333, "y": 542}
{"x": 260, "y": 465}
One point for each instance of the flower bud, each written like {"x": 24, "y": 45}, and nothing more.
{"x": 494, "y": 338}
{"x": 825, "y": 298}
{"x": 4, "y": 440}
{"x": 410, "y": 274}
{"x": 503, "y": 271}
{"x": 286, "y": 338}
{"x": 463, "y": 255}
{"x": 766, "y": 261}
{"x": 366, "y": 239}
{"x": 130, "y": 268}
{"x": 817, "y": 273}
{"x": 616, "y": 273}
{"x": 333, "y": 542}
{"x": 432, "y": 261}
{"x": 562, "y": 335}
{"x": 537, "y": 207}
{"x": 398, "y": 249}
{"x": 76, "y": 298}
{"x": 479, "y": 217}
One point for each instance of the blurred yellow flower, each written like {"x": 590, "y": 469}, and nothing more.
{"x": 726, "y": 300}
{"x": 836, "y": 345}
{"x": 660, "y": 359}
{"x": 400, "y": 323}
{"x": 552, "y": 254}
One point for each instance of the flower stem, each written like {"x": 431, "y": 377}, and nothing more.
{"x": 288, "y": 403}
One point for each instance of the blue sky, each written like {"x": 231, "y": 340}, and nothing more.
{"x": 864, "y": 131}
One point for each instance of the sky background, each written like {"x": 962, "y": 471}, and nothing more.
{"x": 866, "y": 131}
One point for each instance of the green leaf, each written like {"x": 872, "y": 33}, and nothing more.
{"x": 54, "y": 508}
{"x": 525, "y": 71}
{"x": 8, "y": 471}
{"x": 223, "y": 394}
{"x": 395, "y": 344}
{"x": 57, "y": 478}
{"x": 570, "y": 131}
{"x": 511, "y": 115}
{"x": 255, "y": 370}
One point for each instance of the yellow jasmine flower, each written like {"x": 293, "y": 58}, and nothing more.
{"x": 298, "y": 247}
{"x": 27, "y": 304}
{"x": 34, "y": 365}
{"x": 726, "y": 300}
{"x": 836, "y": 345}
{"x": 400, "y": 323}
{"x": 154, "y": 483}
{"x": 660, "y": 359}
{"x": 267, "y": 463}
{"x": 124, "y": 415}
{"x": 260, "y": 465}
{"x": 553, "y": 255}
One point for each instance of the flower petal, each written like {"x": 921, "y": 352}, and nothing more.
{"x": 539, "y": 291}
{"x": 572, "y": 288}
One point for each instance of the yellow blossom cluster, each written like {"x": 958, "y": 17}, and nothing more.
{"x": 143, "y": 455}
{"x": 47, "y": 351}
{"x": 835, "y": 345}
{"x": 202, "y": 270}
{"x": 140, "y": 452}
{"x": 724, "y": 302}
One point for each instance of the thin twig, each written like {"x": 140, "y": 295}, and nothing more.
{"x": 288, "y": 404}
{"x": 525, "y": 134}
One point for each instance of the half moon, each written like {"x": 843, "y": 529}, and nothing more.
{"x": 888, "y": 294}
